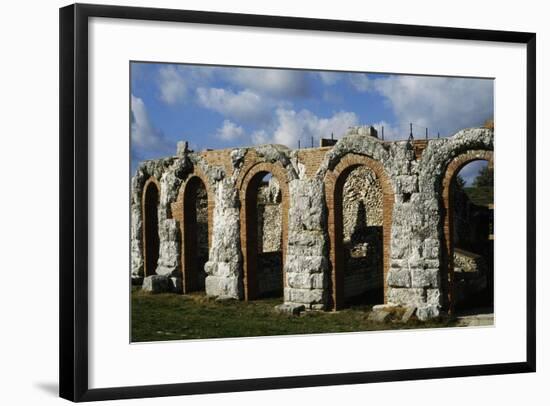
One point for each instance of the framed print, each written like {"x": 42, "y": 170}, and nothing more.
{"x": 257, "y": 202}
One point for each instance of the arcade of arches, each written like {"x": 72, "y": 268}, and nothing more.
{"x": 361, "y": 221}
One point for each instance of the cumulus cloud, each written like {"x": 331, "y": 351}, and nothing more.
{"x": 244, "y": 105}
{"x": 439, "y": 103}
{"x": 260, "y": 137}
{"x": 172, "y": 84}
{"x": 274, "y": 82}
{"x": 176, "y": 83}
{"x": 229, "y": 131}
{"x": 291, "y": 126}
{"x": 147, "y": 141}
{"x": 329, "y": 78}
{"x": 360, "y": 81}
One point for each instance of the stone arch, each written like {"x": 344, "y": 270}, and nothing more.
{"x": 334, "y": 182}
{"x": 184, "y": 211}
{"x": 150, "y": 230}
{"x": 247, "y": 187}
{"x": 451, "y": 171}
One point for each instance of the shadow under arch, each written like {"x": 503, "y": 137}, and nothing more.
{"x": 334, "y": 185}
{"x": 151, "y": 241}
{"x": 451, "y": 171}
{"x": 193, "y": 210}
{"x": 248, "y": 191}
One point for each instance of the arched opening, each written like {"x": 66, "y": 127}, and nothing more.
{"x": 195, "y": 234}
{"x": 263, "y": 237}
{"x": 360, "y": 202}
{"x": 468, "y": 231}
{"x": 151, "y": 240}
{"x": 358, "y": 237}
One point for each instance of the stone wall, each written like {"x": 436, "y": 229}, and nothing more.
{"x": 407, "y": 200}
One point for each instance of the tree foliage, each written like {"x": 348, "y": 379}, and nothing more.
{"x": 484, "y": 177}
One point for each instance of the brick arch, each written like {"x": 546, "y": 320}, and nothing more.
{"x": 247, "y": 186}
{"x": 179, "y": 213}
{"x": 149, "y": 215}
{"x": 451, "y": 171}
{"x": 334, "y": 181}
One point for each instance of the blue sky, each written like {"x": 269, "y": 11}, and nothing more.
{"x": 222, "y": 107}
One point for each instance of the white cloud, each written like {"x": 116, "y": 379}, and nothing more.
{"x": 329, "y": 78}
{"x": 172, "y": 85}
{"x": 360, "y": 81}
{"x": 245, "y": 105}
{"x": 260, "y": 137}
{"x": 229, "y": 131}
{"x": 274, "y": 82}
{"x": 292, "y": 126}
{"x": 441, "y": 104}
{"x": 147, "y": 141}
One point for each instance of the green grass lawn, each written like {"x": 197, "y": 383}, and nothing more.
{"x": 179, "y": 317}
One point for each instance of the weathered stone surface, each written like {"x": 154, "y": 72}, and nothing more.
{"x": 424, "y": 278}
{"x": 379, "y": 316}
{"x": 290, "y": 308}
{"x": 170, "y": 248}
{"x": 415, "y": 247}
{"x": 427, "y": 312}
{"x": 409, "y": 313}
{"x": 224, "y": 266}
{"x": 406, "y": 296}
{"x": 303, "y": 280}
{"x": 400, "y": 278}
{"x": 157, "y": 284}
{"x": 390, "y": 307}
{"x": 306, "y": 264}
{"x": 224, "y": 298}
{"x": 306, "y": 297}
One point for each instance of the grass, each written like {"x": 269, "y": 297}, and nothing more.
{"x": 178, "y": 317}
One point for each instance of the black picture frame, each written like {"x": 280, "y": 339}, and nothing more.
{"x": 73, "y": 300}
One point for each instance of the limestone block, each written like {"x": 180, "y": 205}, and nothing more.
{"x": 408, "y": 314}
{"x": 379, "y": 316}
{"x": 306, "y": 264}
{"x": 424, "y": 278}
{"x": 223, "y": 286}
{"x": 303, "y": 280}
{"x": 157, "y": 284}
{"x": 427, "y": 312}
{"x": 433, "y": 296}
{"x": 406, "y": 296}
{"x": 399, "y": 278}
{"x": 305, "y": 296}
{"x": 290, "y": 308}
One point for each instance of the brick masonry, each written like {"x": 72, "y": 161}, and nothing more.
{"x": 413, "y": 176}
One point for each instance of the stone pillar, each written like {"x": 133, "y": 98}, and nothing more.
{"x": 224, "y": 266}
{"x": 168, "y": 265}
{"x": 306, "y": 266}
{"x": 414, "y": 278}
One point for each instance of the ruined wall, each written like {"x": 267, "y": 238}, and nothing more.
{"x": 410, "y": 175}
